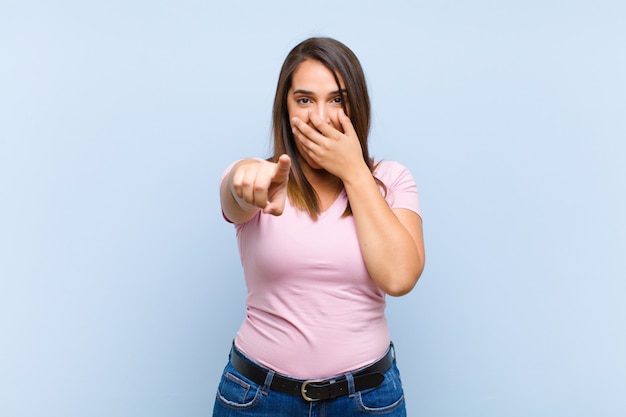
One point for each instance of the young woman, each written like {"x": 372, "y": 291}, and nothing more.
{"x": 324, "y": 233}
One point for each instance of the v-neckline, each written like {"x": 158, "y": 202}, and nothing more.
{"x": 333, "y": 204}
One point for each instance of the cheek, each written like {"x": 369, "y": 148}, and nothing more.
{"x": 302, "y": 152}
{"x": 299, "y": 113}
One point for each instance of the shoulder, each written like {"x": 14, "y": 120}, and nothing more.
{"x": 391, "y": 172}
{"x": 385, "y": 166}
{"x": 400, "y": 188}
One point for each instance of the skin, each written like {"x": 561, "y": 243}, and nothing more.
{"x": 391, "y": 241}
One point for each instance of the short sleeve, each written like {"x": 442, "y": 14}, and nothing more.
{"x": 402, "y": 190}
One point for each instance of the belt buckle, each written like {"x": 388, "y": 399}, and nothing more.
{"x": 303, "y": 389}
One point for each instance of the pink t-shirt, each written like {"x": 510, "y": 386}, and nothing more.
{"x": 312, "y": 309}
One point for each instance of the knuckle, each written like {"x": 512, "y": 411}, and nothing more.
{"x": 246, "y": 183}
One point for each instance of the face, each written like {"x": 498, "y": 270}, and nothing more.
{"x": 314, "y": 89}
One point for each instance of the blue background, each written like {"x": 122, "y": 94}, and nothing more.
{"x": 120, "y": 284}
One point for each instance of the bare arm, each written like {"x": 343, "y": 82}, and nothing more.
{"x": 391, "y": 241}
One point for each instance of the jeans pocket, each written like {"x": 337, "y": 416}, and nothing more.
{"x": 235, "y": 392}
{"x": 387, "y": 397}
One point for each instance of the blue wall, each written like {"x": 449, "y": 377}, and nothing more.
{"x": 120, "y": 284}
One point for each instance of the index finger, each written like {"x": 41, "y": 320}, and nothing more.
{"x": 282, "y": 168}
{"x": 305, "y": 129}
{"x": 324, "y": 128}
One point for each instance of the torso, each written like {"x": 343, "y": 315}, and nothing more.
{"x": 312, "y": 309}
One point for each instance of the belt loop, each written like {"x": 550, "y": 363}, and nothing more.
{"x": 268, "y": 382}
{"x": 393, "y": 351}
{"x": 350, "y": 379}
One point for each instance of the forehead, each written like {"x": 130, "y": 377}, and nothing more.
{"x": 311, "y": 73}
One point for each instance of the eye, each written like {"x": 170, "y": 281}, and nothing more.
{"x": 303, "y": 100}
{"x": 337, "y": 100}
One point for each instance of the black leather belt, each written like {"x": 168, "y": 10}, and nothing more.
{"x": 315, "y": 389}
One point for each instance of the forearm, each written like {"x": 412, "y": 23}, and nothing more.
{"x": 392, "y": 251}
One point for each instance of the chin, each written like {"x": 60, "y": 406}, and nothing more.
{"x": 313, "y": 165}
{"x": 304, "y": 161}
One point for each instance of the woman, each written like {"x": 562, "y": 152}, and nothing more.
{"x": 323, "y": 234}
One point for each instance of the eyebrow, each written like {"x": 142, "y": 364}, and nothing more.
{"x": 307, "y": 92}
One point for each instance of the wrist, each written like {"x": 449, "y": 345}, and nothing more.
{"x": 357, "y": 175}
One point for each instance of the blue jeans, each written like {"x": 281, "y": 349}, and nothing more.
{"x": 237, "y": 396}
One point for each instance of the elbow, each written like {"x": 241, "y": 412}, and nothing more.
{"x": 403, "y": 283}
{"x": 400, "y": 289}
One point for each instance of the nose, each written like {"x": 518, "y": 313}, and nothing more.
{"x": 323, "y": 113}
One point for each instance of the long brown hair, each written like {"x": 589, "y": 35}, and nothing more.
{"x": 345, "y": 66}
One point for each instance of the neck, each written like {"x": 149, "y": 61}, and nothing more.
{"x": 326, "y": 185}
{"x": 321, "y": 180}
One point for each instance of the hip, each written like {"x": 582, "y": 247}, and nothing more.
{"x": 355, "y": 393}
